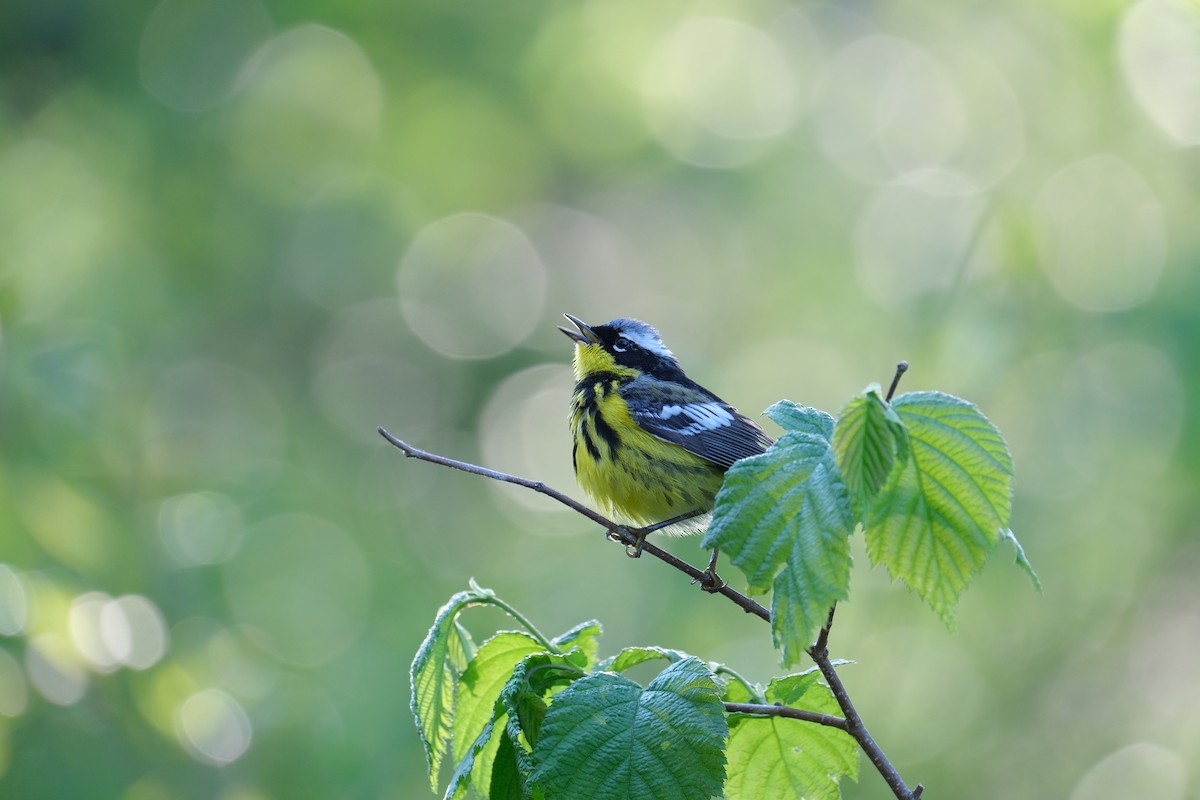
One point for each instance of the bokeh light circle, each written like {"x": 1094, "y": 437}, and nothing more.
{"x": 345, "y": 238}
{"x": 1134, "y": 394}
{"x": 955, "y": 88}
{"x": 135, "y": 631}
{"x": 308, "y": 98}
{"x": 60, "y": 220}
{"x": 1141, "y": 769}
{"x": 14, "y": 691}
{"x": 110, "y": 633}
{"x": 192, "y": 50}
{"x": 1159, "y": 47}
{"x": 211, "y": 420}
{"x": 213, "y": 727}
{"x": 846, "y": 112}
{"x": 524, "y": 431}
{"x": 920, "y": 117}
{"x": 365, "y": 375}
{"x": 471, "y": 285}
{"x": 53, "y": 667}
{"x": 577, "y": 70}
{"x": 303, "y": 585}
{"x": 84, "y": 623}
{"x": 14, "y": 602}
{"x": 915, "y": 236}
{"x": 361, "y": 393}
{"x": 1100, "y": 234}
{"x": 888, "y": 107}
{"x": 1058, "y": 402}
{"x": 1033, "y": 396}
{"x": 588, "y": 256}
{"x": 716, "y": 90}
{"x": 200, "y": 528}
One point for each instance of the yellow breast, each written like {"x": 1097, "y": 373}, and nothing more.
{"x": 628, "y": 472}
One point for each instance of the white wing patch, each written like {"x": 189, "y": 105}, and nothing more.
{"x": 703, "y": 416}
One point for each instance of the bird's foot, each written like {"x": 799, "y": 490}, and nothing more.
{"x": 623, "y": 534}
{"x": 711, "y": 582}
{"x": 634, "y": 549}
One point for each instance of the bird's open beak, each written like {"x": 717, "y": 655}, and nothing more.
{"x": 585, "y": 335}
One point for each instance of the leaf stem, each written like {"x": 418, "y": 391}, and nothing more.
{"x": 530, "y": 628}
{"x": 722, "y": 669}
{"x": 617, "y": 533}
{"x": 762, "y": 709}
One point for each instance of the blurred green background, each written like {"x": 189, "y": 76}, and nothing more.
{"x": 237, "y": 235}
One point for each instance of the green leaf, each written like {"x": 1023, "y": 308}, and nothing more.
{"x": 481, "y": 683}
{"x": 434, "y": 671}
{"x": 607, "y": 738}
{"x": 773, "y": 757}
{"x": 510, "y": 779}
{"x": 460, "y": 647}
{"x": 784, "y": 518}
{"x": 523, "y": 695}
{"x": 521, "y": 709}
{"x": 870, "y": 441}
{"x": 483, "y": 768}
{"x": 466, "y": 770}
{"x": 506, "y": 781}
{"x": 790, "y": 689}
{"x": 1022, "y": 559}
{"x": 943, "y": 512}
{"x": 632, "y": 656}
{"x": 793, "y": 417}
{"x": 585, "y": 636}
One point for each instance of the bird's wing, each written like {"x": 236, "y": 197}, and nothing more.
{"x": 707, "y": 428}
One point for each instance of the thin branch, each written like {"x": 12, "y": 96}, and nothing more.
{"x": 786, "y": 711}
{"x": 856, "y": 728}
{"x": 901, "y": 368}
{"x": 823, "y": 637}
{"x": 819, "y": 653}
{"x": 618, "y": 533}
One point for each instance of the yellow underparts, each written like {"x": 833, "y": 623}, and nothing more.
{"x": 629, "y": 473}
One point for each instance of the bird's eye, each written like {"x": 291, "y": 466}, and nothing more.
{"x": 622, "y": 344}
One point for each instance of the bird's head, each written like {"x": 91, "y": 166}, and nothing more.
{"x": 622, "y": 346}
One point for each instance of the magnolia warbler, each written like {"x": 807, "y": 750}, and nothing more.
{"x": 651, "y": 445}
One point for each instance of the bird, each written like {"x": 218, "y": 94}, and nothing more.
{"x": 651, "y": 446}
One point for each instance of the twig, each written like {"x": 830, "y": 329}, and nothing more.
{"x": 616, "y": 532}
{"x": 853, "y": 722}
{"x": 901, "y": 368}
{"x": 786, "y": 711}
{"x": 823, "y": 637}
{"x": 856, "y": 728}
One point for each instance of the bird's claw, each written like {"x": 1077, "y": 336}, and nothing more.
{"x": 622, "y": 534}
{"x": 711, "y": 582}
